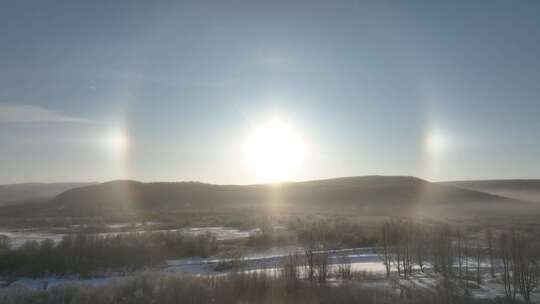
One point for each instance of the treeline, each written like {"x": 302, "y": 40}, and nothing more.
{"x": 327, "y": 232}
{"x": 271, "y": 238}
{"x": 85, "y": 253}
{"x": 255, "y": 287}
{"x": 406, "y": 246}
{"x": 332, "y": 232}
{"x": 520, "y": 256}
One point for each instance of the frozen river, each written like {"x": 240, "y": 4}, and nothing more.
{"x": 361, "y": 259}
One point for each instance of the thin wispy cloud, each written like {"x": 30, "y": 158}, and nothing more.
{"x": 20, "y": 113}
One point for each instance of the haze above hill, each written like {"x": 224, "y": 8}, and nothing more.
{"x": 20, "y": 193}
{"x": 522, "y": 189}
{"x": 369, "y": 195}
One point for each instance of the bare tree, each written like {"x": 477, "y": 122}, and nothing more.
{"x": 290, "y": 273}
{"x": 467, "y": 254}
{"x": 490, "y": 252}
{"x": 309, "y": 263}
{"x": 526, "y": 264}
{"x": 506, "y": 259}
{"x": 311, "y": 246}
{"x": 442, "y": 253}
{"x": 479, "y": 253}
{"x": 406, "y": 240}
{"x": 4, "y": 242}
{"x": 520, "y": 257}
{"x": 344, "y": 270}
{"x": 459, "y": 247}
{"x": 321, "y": 266}
{"x": 384, "y": 245}
{"x": 420, "y": 240}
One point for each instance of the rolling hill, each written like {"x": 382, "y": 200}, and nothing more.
{"x": 370, "y": 195}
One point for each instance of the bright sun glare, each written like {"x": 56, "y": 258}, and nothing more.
{"x": 275, "y": 151}
{"x": 436, "y": 142}
{"x": 116, "y": 142}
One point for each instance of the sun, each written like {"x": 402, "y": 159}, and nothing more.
{"x": 274, "y": 151}
{"x": 116, "y": 142}
{"x": 436, "y": 142}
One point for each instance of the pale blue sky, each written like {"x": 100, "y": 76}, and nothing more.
{"x": 368, "y": 83}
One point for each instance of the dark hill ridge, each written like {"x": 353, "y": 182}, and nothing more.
{"x": 522, "y": 189}
{"x": 382, "y": 195}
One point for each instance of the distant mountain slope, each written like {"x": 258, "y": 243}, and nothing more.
{"x": 30, "y": 192}
{"x": 378, "y": 195}
{"x": 522, "y": 189}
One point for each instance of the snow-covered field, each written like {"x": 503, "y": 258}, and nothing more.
{"x": 19, "y": 237}
{"x": 361, "y": 260}
{"x": 221, "y": 233}
{"x": 49, "y": 282}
